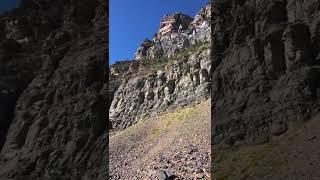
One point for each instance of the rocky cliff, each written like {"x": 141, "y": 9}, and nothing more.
{"x": 176, "y": 32}
{"x": 170, "y": 71}
{"x": 53, "y": 104}
{"x": 266, "y": 73}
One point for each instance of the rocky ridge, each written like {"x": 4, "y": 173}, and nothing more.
{"x": 176, "y": 32}
{"x": 183, "y": 76}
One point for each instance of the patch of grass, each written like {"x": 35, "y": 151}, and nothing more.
{"x": 155, "y": 64}
{"x": 155, "y": 131}
{"x": 179, "y": 115}
{"x": 174, "y": 118}
{"x": 197, "y": 47}
{"x": 169, "y": 123}
{"x": 160, "y": 63}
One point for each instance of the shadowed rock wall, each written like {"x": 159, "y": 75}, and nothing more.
{"x": 266, "y": 69}
{"x": 53, "y": 70}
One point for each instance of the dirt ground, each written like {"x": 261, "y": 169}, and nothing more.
{"x": 175, "y": 145}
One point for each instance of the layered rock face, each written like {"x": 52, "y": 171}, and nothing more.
{"x": 184, "y": 79}
{"x": 52, "y": 78}
{"x": 116, "y": 73}
{"x": 173, "y": 23}
{"x": 182, "y": 82}
{"x": 266, "y": 73}
{"x": 176, "y": 32}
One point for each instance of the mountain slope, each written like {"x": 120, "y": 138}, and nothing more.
{"x": 155, "y": 132}
{"x": 177, "y": 141}
{"x": 169, "y": 71}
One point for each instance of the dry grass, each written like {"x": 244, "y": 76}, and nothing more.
{"x": 153, "y": 65}
{"x": 174, "y": 118}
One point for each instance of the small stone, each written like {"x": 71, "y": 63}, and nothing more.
{"x": 198, "y": 171}
{"x": 162, "y": 175}
{"x": 199, "y": 164}
{"x": 200, "y": 176}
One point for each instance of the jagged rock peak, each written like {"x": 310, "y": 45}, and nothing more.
{"x": 123, "y": 67}
{"x": 176, "y": 32}
{"x": 173, "y": 23}
{"x": 203, "y": 15}
{"x": 142, "y": 50}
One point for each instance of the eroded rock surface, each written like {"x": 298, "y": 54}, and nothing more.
{"x": 182, "y": 82}
{"x": 265, "y": 68}
{"x": 52, "y": 66}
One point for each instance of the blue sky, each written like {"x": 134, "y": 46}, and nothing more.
{"x": 131, "y": 21}
{"x": 6, "y": 5}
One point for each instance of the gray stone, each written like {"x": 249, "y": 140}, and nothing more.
{"x": 162, "y": 175}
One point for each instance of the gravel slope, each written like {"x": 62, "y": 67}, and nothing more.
{"x": 175, "y": 145}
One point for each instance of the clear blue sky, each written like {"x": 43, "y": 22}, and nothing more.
{"x": 6, "y": 5}
{"x": 131, "y": 21}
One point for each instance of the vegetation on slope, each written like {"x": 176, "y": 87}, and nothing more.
{"x": 151, "y": 65}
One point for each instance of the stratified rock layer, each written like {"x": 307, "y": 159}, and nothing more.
{"x": 179, "y": 83}
{"x": 266, "y": 68}
{"x": 52, "y": 67}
